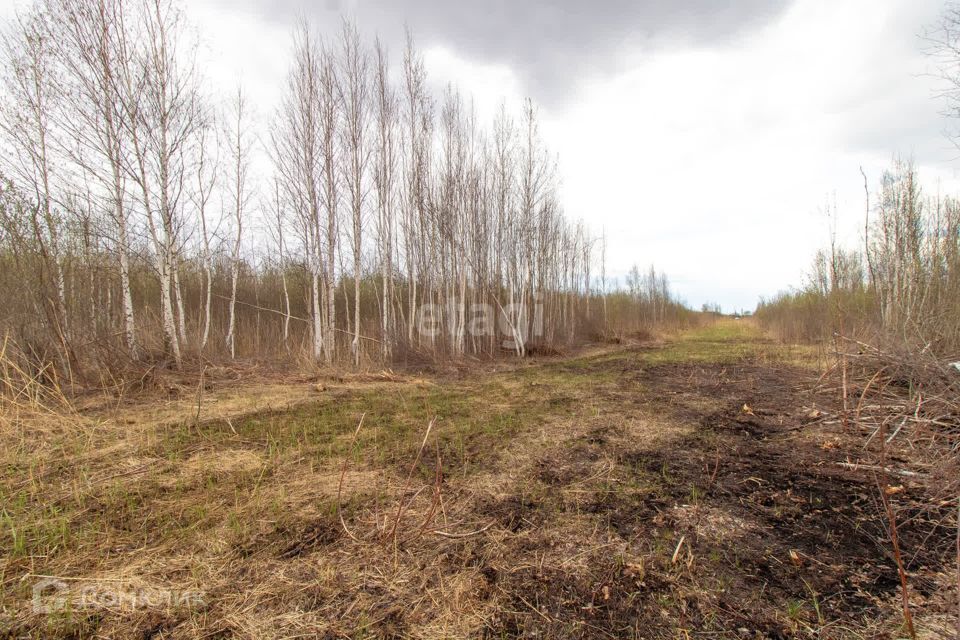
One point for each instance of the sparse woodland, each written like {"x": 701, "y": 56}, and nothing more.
{"x": 900, "y": 288}
{"x": 145, "y": 222}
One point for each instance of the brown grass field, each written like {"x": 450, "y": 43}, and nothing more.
{"x": 698, "y": 486}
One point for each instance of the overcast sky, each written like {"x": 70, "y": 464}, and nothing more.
{"x": 707, "y": 140}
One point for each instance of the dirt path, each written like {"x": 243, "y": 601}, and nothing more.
{"x": 684, "y": 490}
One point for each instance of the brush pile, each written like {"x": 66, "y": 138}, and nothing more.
{"x": 907, "y": 405}
{"x": 902, "y": 406}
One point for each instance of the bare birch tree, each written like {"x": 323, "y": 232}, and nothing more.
{"x": 354, "y": 92}
{"x": 206, "y": 180}
{"x": 296, "y": 154}
{"x": 162, "y": 109}
{"x": 330, "y": 113}
{"x": 91, "y": 38}
{"x": 238, "y": 178}
{"x": 385, "y": 179}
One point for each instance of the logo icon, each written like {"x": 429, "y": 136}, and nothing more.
{"x": 50, "y": 596}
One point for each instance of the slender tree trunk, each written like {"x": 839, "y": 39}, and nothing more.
{"x": 232, "y": 313}
{"x": 178, "y": 296}
{"x": 172, "y": 345}
{"x": 318, "y": 342}
{"x": 208, "y": 289}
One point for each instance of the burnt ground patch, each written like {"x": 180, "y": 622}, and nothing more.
{"x": 747, "y": 525}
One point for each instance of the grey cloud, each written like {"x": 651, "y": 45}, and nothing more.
{"x": 549, "y": 43}
{"x": 894, "y": 107}
{"x": 912, "y": 125}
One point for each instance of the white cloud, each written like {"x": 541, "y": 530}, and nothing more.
{"x": 487, "y": 85}
{"x": 239, "y": 48}
{"x": 716, "y": 164}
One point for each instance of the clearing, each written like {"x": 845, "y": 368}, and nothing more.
{"x": 688, "y": 488}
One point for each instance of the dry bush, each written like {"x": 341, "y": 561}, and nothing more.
{"x": 29, "y": 384}
{"x": 904, "y": 397}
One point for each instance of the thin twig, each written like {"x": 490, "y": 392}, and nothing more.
{"x": 447, "y": 534}
{"x": 343, "y": 473}
{"x": 402, "y": 502}
{"x": 898, "y": 558}
{"x": 872, "y": 467}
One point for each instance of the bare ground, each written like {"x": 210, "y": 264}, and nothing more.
{"x": 690, "y": 489}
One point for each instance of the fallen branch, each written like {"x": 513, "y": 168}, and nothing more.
{"x": 447, "y": 534}
{"x": 872, "y": 467}
{"x": 676, "y": 552}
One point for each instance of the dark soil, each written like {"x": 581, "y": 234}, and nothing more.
{"x": 812, "y": 556}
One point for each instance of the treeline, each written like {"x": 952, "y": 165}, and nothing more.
{"x": 145, "y": 221}
{"x": 902, "y": 286}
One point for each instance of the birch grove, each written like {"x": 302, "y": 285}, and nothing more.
{"x": 392, "y": 224}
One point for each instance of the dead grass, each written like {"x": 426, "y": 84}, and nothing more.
{"x": 613, "y": 494}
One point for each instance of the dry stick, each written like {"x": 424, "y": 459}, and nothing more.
{"x": 958, "y": 568}
{"x": 883, "y": 423}
{"x": 869, "y": 347}
{"x": 716, "y": 468}
{"x": 825, "y": 374}
{"x": 676, "y": 552}
{"x": 865, "y": 389}
{"x": 532, "y": 608}
{"x": 846, "y": 412}
{"x": 343, "y": 473}
{"x": 894, "y": 540}
{"x": 406, "y": 484}
{"x": 872, "y": 467}
{"x": 196, "y": 419}
{"x": 842, "y": 361}
{"x": 437, "y": 479}
{"x": 916, "y": 415}
{"x": 447, "y": 534}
